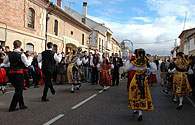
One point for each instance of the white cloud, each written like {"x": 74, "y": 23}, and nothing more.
{"x": 157, "y": 30}
{"x": 145, "y": 19}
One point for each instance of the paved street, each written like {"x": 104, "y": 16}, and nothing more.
{"x": 106, "y": 108}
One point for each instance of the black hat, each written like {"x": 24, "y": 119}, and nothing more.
{"x": 180, "y": 54}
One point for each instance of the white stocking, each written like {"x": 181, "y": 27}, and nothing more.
{"x": 3, "y": 87}
{"x": 174, "y": 97}
{"x": 180, "y": 100}
{"x": 72, "y": 89}
{"x": 140, "y": 112}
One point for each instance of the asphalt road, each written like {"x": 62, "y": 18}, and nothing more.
{"x": 91, "y": 106}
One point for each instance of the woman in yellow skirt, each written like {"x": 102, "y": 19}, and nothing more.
{"x": 181, "y": 86}
{"x": 73, "y": 72}
{"x": 139, "y": 93}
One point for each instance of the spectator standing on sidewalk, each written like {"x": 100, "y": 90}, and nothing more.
{"x": 117, "y": 62}
{"x": 61, "y": 72}
{"x": 90, "y": 67}
{"x": 94, "y": 68}
{"x": 191, "y": 76}
{"x": 86, "y": 66}
{"x": 164, "y": 71}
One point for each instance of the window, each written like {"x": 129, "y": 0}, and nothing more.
{"x": 71, "y": 32}
{"x": 83, "y": 39}
{"x": 83, "y": 20}
{"x": 30, "y": 47}
{"x": 55, "y": 48}
{"x": 194, "y": 41}
{"x": 31, "y": 18}
{"x": 56, "y": 27}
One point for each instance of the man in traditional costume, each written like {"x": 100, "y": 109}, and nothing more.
{"x": 73, "y": 71}
{"x": 17, "y": 61}
{"x": 49, "y": 59}
{"x": 139, "y": 93}
{"x": 181, "y": 86}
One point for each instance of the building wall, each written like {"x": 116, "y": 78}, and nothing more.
{"x": 68, "y": 33}
{"x": 14, "y": 23}
{"x": 101, "y": 45}
{"x": 189, "y": 46}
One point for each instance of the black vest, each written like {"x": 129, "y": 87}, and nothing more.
{"x": 48, "y": 61}
{"x": 15, "y": 61}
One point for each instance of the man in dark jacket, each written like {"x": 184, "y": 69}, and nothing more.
{"x": 94, "y": 69}
{"x": 49, "y": 59}
{"x": 117, "y": 62}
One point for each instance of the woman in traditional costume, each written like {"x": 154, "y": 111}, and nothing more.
{"x": 139, "y": 93}
{"x": 73, "y": 72}
{"x": 105, "y": 78}
{"x": 3, "y": 81}
{"x": 181, "y": 86}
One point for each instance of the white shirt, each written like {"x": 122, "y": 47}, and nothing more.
{"x": 129, "y": 66}
{"x": 91, "y": 61}
{"x": 27, "y": 62}
{"x": 79, "y": 62}
{"x": 57, "y": 58}
{"x": 85, "y": 60}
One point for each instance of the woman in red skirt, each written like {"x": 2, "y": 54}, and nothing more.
{"x": 105, "y": 78}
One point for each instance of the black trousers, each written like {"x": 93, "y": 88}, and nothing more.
{"x": 36, "y": 77}
{"x": 26, "y": 78}
{"x": 17, "y": 80}
{"x": 94, "y": 75}
{"x": 48, "y": 75}
{"x": 115, "y": 78}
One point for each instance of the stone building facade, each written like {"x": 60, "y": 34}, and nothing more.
{"x": 23, "y": 20}
{"x": 65, "y": 31}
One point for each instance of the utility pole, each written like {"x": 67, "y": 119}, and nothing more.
{"x": 175, "y": 44}
{"x": 185, "y": 20}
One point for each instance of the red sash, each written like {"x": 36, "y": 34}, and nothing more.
{"x": 41, "y": 81}
{"x": 22, "y": 72}
{"x": 25, "y": 70}
{"x": 16, "y": 72}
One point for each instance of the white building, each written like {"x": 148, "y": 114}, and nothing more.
{"x": 187, "y": 42}
{"x": 100, "y": 37}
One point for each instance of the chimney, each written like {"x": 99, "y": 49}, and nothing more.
{"x": 59, "y": 3}
{"x": 84, "y": 9}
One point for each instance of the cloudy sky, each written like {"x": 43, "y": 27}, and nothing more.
{"x": 149, "y": 24}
